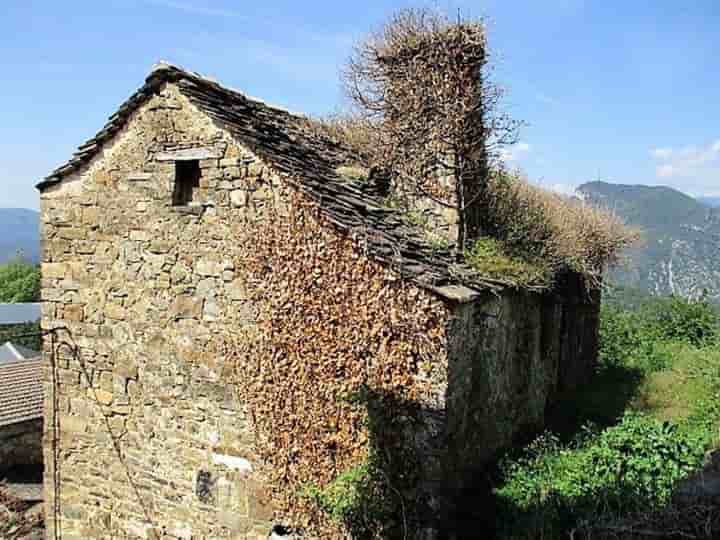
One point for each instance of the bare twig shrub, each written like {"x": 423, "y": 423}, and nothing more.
{"x": 428, "y": 116}
{"x": 420, "y": 85}
{"x": 566, "y": 233}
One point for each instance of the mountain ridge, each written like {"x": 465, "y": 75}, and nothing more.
{"x": 680, "y": 253}
{"x": 21, "y": 234}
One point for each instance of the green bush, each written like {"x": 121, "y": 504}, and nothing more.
{"x": 678, "y": 319}
{"x": 19, "y": 282}
{"x": 630, "y": 339}
{"x": 635, "y": 338}
{"x": 629, "y": 467}
{"x": 343, "y": 496}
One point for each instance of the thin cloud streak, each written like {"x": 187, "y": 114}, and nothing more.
{"x": 195, "y": 9}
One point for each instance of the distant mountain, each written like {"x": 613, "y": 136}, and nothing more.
{"x": 20, "y": 233}
{"x": 710, "y": 201}
{"x": 680, "y": 251}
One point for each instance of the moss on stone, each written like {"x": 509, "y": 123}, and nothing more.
{"x": 490, "y": 258}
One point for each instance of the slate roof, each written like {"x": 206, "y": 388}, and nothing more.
{"x": 21, "y": 391}
{"x": 10, "y": 351}
{"x": 19, "y": 313}
{"x": 308, "y": 161}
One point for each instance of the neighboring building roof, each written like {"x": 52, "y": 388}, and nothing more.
{"x": 19, "y": 313}
{"x": 309, "y": 162}
{"x": 10, "y": 352}
{"x": 21, "y": 391}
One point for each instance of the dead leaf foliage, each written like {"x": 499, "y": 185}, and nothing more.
{"x": 329, "y": 321}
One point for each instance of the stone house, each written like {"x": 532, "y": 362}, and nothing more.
{"x": 197, "y": 253}
{"x": 21, "y": 414}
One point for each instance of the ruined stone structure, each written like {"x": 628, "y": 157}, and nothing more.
{"x": 146, "y": 235}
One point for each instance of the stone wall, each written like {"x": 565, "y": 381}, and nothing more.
{"x": 21, "y": 444}
{"x": 151, "y": 441}
{"x": 509, "y": 357}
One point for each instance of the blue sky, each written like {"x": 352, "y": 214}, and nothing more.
{"x": 627, "y": 91}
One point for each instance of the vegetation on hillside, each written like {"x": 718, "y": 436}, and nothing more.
{"x": 19, "y": 282}
{"x": 619, "y": 447}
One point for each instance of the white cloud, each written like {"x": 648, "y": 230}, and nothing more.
{"x": 514, "y": 152}
{"x": 661, "y": 153}
{"x": 664, "y": 171}
{"x": 693, "y": 169}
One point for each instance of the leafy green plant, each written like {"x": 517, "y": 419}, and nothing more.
{"x": 629, "y": 467}
{"x": 630, "y": 339}
{"x": 341, "y": 498}
{"x": 19, "y": 282}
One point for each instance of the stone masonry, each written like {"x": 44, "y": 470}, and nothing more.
{"x": 143, "y": 436}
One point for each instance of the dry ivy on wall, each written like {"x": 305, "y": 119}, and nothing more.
{"x": 330, "y": 322}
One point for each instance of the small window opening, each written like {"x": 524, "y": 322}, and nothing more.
{"x": 187, "y": 182}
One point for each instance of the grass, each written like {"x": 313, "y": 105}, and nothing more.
{"x": 619, "y": 446}
{"x": 490, "y": 258}
{"x": 563, "y": 232}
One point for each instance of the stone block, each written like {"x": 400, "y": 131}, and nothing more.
{"x": 115, "y": 311}
{"x": 187, "y": 307}
{"x": 90, "y": 215}
{"x": 230, "y": 162}
{"x": 139, "y": 236}
{"x": 208, "y": 163}
{"x": 73, "y": 424}
{"x": 102, "y": 396}
{"x": 206, "y": 267}
{"x": 72, "y": 233}
{"x": 127, "y": 368}
{"x": 239, "y": 198}
{"x": 139, "y": 176}
{"x": 203, "y": 153}
{"x": 160, "y": 246}
{"x": 55, "y": 270}
{"x": 73, "y": 312}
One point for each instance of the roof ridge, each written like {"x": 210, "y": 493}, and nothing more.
{"x": 162, "y": 66}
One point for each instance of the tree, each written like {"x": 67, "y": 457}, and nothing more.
{"x": 421, "y": 85}
{"x": 19, "y": 282}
